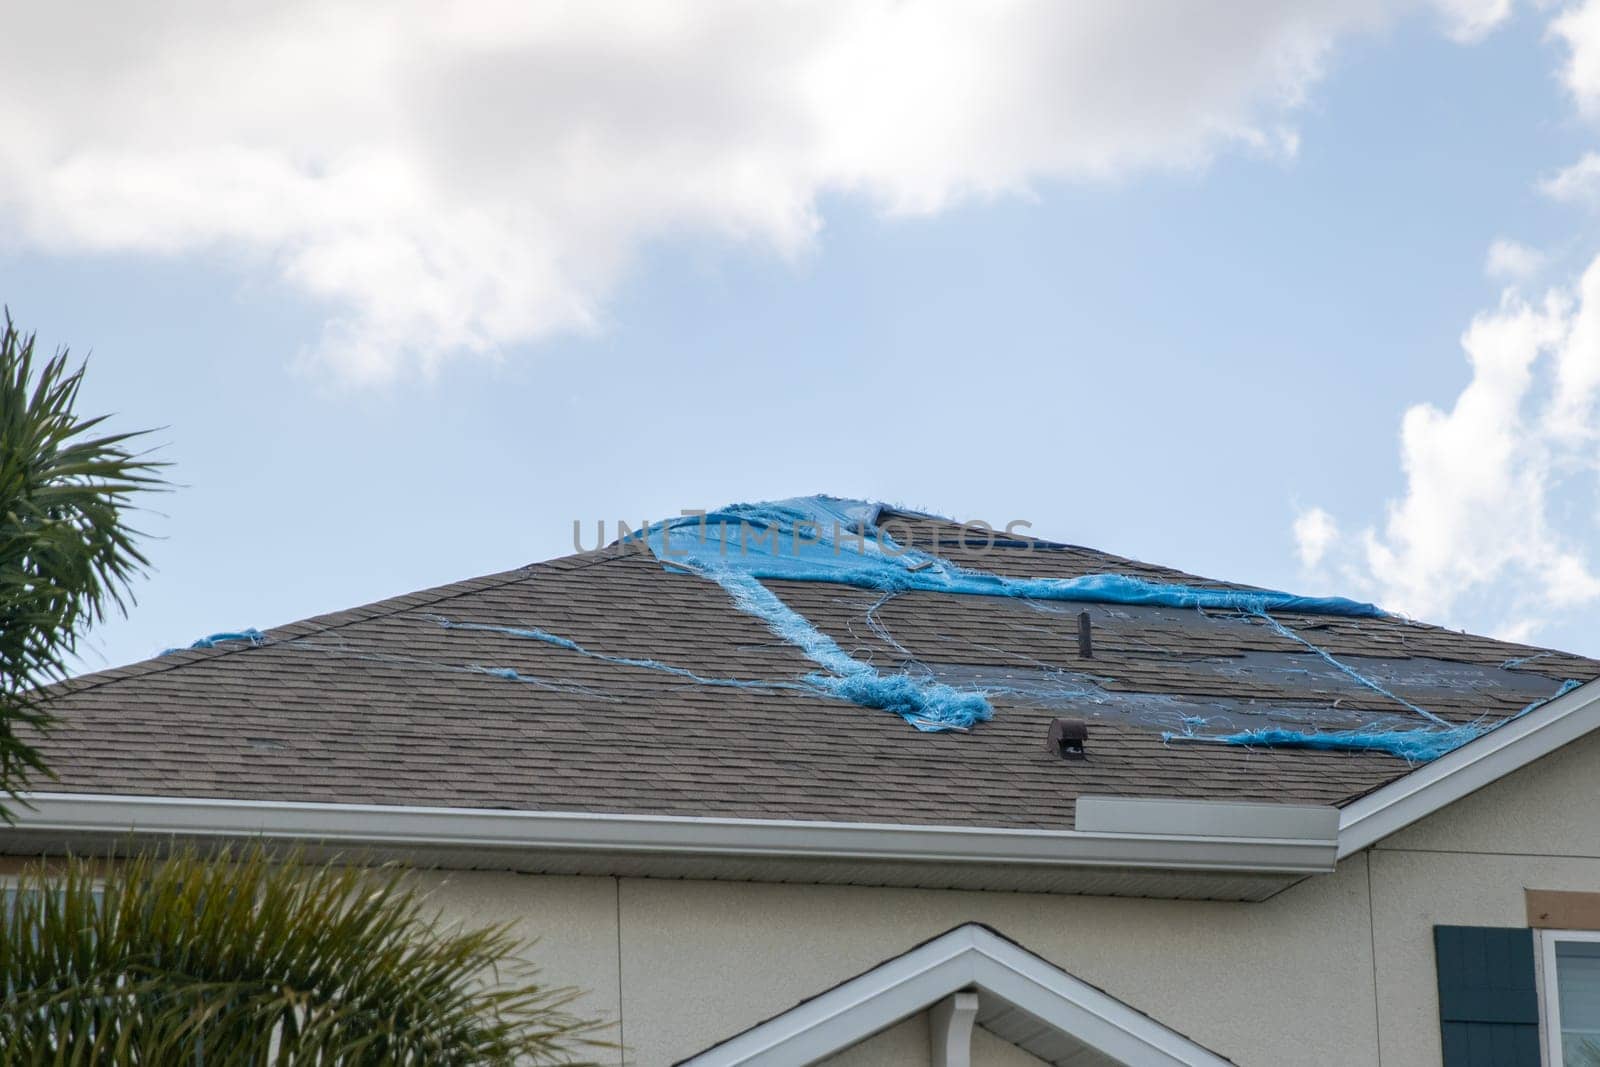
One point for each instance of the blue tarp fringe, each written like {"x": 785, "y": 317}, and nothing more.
{"x": 255, "y": 638}
{"x": 828, "y": 539}
{"x": 1414, "y": 746}
{"x": 831, "y": 539}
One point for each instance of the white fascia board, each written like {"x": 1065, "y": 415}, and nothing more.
{"x": 406, "y": 826}
{"x": 1469, "y": 768}
{"x": 1208, "y": 818}
{"x": 967, "y": 957}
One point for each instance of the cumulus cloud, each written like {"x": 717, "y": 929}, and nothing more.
{"x": 1487, "y": 532}
{"x": 452, "y": 179}
{"x": 1485, "y": 480}
{"x": 1578, "y": 27}
{"x": 1512, "y": 261}
{"x": 1576, "y": 184}
{"x": 1314, "y": 533}
{"x": 1469, "y": 21}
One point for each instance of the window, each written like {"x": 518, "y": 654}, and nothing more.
{"x": 1571, "y": 995}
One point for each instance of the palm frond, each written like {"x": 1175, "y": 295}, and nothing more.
{"x": 67, "y": 553}
{"x": 242, "y": 958}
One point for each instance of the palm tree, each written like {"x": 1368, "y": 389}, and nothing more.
{"x": 207, "y": 961}
{"x": 246, "y": 958}
{"x": 66, "y": 551}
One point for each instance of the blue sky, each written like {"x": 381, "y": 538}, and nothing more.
{"x": 1177, "y": 357}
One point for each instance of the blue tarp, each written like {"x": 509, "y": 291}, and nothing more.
{"x": 255, "y": 638}
{"x": 827, "y": 539}
{"x": 830, "y": 539}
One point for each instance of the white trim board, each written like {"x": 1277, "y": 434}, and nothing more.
{"x": 1545, "y": 942}
{"x": 1469, "y": 768}
{"x": 970, "y": 957}
{"x": 400, "y": 825}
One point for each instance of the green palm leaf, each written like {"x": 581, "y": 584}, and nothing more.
{"x": 245, "y": 958}
{"x": 67, "y": 554}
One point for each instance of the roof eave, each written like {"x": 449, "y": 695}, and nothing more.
{"x": 1149, "y": 847}
{"x": 1443, "y": 781}
{"x": 905, "y": 853}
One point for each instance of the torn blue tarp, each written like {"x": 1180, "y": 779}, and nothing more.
{"x": 1415, "y": 745}
{"x": 251, "y": 636}
{"x": 828, "y": 539}
{"x": 850, "y": 542}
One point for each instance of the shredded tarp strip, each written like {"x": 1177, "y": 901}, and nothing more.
{"x": 828, "y": 539}
{"x": 255, "y": 638}
{"x": 848, "y": 542}
{"x": 1417, "y": 745}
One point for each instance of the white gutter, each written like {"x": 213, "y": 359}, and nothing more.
{"x": 1469, "y": 768}
{"x": 668, "y": 835}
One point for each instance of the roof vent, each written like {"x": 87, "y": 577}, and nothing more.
{"x": 1067, "y": 738}
{"x": 1085, "y": 642}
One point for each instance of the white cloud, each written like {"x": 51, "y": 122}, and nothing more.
{"x": 1576, "y": 184}
{"x": 456, "y": 178}
{"x": 1469, "y": 21}
{"x": 1486, "y": 533}
{"x": 1481, "y": 517}
{"x": 1579, "y": 27}
{"x": 1512, "y": 261}
{"x": 1314, "y": 533}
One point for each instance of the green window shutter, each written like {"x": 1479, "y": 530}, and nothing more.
{"x": 1488, "y": 996}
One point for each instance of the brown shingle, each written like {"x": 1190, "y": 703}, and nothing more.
{"x": 382, "y": 704}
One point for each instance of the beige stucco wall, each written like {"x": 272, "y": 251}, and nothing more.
{"x": 1469, "y": 865}
{"x": 1332, "y": 971}
{"x": 700, "y": 961}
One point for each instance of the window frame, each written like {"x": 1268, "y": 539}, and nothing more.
{"x": 1549, "y": 993}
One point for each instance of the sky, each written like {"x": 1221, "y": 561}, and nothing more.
{"x": 1305, "y": 294}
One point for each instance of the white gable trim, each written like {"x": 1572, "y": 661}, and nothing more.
{"x": 968, "y": 957}
{"x": 1469, "y": 768}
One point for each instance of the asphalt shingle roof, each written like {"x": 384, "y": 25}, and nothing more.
{"x": 382, "y": 704}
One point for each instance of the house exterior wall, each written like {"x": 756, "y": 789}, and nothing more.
{"x": 1470, "y": 865}
{"x": 1338, "y": 969}
{"x": 700, "y": 961}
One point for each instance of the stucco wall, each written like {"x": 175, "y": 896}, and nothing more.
{"x": 1469, "y": 865}
{"x": 1330, "y": 971}
{"x": 700, "y": 961}
{"x": 572, "y": 923}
